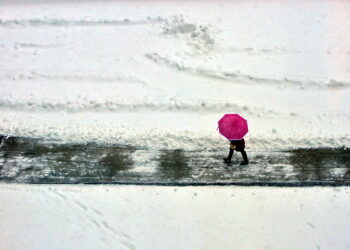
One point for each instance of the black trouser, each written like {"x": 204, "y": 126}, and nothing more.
{"x": 244, "y": 155}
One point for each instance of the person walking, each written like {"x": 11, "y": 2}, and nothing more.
{"x": 238, "y": 145}
{"x": 234, "y": 127}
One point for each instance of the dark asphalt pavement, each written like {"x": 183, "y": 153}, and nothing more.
{"x": 37, "y": 162}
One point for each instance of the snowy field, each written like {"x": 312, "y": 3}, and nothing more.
{"x": 124, "y": 90}
{"x": 158, "y": 75}
{"x": 135, "y": 217}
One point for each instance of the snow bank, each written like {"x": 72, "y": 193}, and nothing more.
{"x": 136, "y": 217}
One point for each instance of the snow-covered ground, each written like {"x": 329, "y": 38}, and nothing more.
{"x": 154, "y": 74}
{"x": 158, "y": 75}
{"x": 137, "y": 217}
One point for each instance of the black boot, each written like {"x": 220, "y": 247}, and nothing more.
{"x": 245, "y": 158}
{"x": 227, "y": 160}
{"x": 229, "y": 157}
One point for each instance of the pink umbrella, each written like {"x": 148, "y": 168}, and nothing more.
{"x": 233, "y": 126}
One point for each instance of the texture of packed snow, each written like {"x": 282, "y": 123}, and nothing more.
{"x": 137, "y": 217}
{"x": 161, "y": 74}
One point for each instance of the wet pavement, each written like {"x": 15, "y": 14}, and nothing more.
{"x": 24, "y": 161}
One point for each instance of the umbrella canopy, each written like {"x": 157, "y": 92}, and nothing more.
{"x": 233, "y": 126}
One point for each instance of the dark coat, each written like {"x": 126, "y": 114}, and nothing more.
{"x": 240, "y": 144}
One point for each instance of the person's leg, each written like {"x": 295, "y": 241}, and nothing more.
{"x": 245, "y": 157}
{"x": 229, "y": 157}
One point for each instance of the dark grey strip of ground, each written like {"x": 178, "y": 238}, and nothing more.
{"x": 27, "y": 161}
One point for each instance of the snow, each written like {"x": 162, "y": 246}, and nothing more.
{"x": 79, "y": 72}
{"x": 150, "y": 217}
{"x": 159, "y": 75}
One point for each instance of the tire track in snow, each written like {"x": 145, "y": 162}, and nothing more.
{"x": 235, "y": 77}
{"x": 96, "y": 218}
{"x": 60, "y": 22}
